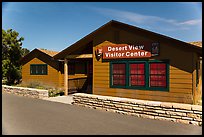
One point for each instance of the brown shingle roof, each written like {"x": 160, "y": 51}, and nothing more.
{"x": 44, "y": 55}
{"x": 49, "y": 52}
{"x": 196, "y": 43}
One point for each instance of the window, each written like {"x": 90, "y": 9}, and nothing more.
{"x": 38, "y": 69}
{"x": 147, "y": 75}
{"x": 157, "y": 74}
{"x": 137, "y": 74}
{"x": 118, "y": 74}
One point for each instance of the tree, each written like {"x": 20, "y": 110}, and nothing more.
{"x": 25, "y": 51}
{"x": 12, "y": 52}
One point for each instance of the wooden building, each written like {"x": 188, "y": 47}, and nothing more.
{"x": 39, "y": 66}
{"x": 122, "y": 60}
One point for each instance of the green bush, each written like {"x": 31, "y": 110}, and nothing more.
{"x": 55, "y": 92}
{"x": 4, "y": 81}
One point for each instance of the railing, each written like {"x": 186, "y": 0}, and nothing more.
{"x": 78, "y": 84}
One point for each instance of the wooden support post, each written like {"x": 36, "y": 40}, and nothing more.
{"x": 65, "y": 77}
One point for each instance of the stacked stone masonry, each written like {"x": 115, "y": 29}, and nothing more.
{"x": 176, "y": 112}
{"x": 29, "y": 92}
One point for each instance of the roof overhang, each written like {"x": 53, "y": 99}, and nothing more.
{"x": 81, "y": 56}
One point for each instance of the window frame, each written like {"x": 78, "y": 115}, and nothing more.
{"x": 147, "y": 76}
{"x": 36, "y": 68}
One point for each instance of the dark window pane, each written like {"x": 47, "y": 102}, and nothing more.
{"x": 32, "y": 69}
{"x": 115, "y": 71}
{"x": 36, "y": 69}
{"x": 115, "y": 82}
{"x": 153, "y": 83}
{"x": 39, "y": 69}
{"x": 44, "y": 69}
{"x": 162, "y": 66}
{"x": 153, "y": 71}
{"x": 141, "y": 66}
{"x": 162, "y": 72}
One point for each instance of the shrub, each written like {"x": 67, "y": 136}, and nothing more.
{"x": 4, "y": 81}
{"x": 55, "y": 92}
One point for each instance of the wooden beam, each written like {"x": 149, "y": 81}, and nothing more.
{"x": 194, "y": 79}
{"x": 65, "y": 77}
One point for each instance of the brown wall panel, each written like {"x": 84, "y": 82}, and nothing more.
{"x": 180, "y": 73}
{"x": 51, "y": 79}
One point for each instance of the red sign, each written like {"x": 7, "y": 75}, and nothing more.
{"x": 127, "y": 51}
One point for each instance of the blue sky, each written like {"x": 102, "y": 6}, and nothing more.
{"x": 56, "y": 25}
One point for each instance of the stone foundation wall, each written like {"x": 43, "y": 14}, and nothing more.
{"x": 176, "y": 112}
{"x": 29, "y": 92}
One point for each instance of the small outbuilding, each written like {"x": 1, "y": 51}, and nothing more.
{"x": 40, "y": 66}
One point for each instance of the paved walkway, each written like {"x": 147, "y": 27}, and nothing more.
{"x": 62, "y": 99}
